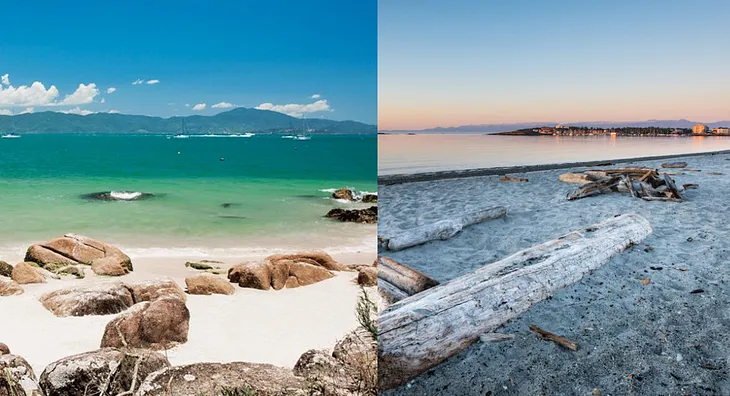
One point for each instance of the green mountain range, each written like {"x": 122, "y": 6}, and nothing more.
{"x": 238, "y": 120}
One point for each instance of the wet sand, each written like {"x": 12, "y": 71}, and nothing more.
{"x": 634, "y": 339}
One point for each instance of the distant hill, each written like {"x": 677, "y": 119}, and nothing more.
{"x": 238, "y": 120}
{"x": 496, "y": 128}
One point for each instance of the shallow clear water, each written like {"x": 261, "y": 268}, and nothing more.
{"x": 427, "y": 153}
{"x": 272, "y": 185}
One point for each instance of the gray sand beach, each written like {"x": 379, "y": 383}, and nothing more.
{"x": 634, "y": 339}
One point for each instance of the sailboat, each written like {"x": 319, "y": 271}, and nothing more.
{"x": 10, "y": 135}
{"x": 182, "y": 134}
{"x": 288, "y": 131}
{"x": 305, "y": 129}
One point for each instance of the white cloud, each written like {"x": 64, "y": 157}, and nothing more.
{"x": 199, "y": 107}
{"x": 153, "y": 82}
{"x": 103, "y": 100}
{"x": 77, "y": 110}
{"x": 6, "y": 112}
{"x": 138, "y": 81}
{"x": 110, "y": 90}
{"x": 34, "y": 95}
{"x": 84, "y": 94}
{"x": 6, "y": 79}
{"x": 187, "y": 104}
{"x": 315, "y": 96}
{"x": 222, "y": 105}
{"x": 297, "y": 110}
{"x": 28, "y": 110}
{"x": 112, "y": 111}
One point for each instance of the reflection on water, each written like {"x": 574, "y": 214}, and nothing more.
{"x": 427, "y": 153}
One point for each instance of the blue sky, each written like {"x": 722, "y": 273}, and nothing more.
{"x": 477, "y": 62}
{"x": 246, "y": 53}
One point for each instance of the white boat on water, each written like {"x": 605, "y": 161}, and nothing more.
{"x": 10, "y": 136}
{"x": 288, "y": 137}
{"x": 183, "y": 132}
{"x": 305, "y": 130}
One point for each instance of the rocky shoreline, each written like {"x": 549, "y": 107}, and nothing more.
{"x": 148, "y": 318}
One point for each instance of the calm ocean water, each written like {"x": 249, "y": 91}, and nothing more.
{"x": 427, "y": 153}
{"x": 273, "y": 186}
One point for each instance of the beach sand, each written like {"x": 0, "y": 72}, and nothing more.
{"x": 273, "y": 327}
{"x": 634, "y": 339}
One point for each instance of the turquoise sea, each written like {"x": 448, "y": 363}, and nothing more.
{"x": 209, "y": 192}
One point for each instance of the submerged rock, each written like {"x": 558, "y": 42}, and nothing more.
{"x": 118, "y": 196}
{"x": 157, "y": 325}
{"x": 369, "y": 215}
{"x": 370, "y": 198}
{"x": 344, "y": 193}
{"x": 223, "y": 378}
{"x": 107, "y": 371}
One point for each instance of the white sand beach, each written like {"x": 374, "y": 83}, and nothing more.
{"x": 634, "y": 338}
{"x": 273, "y": 327}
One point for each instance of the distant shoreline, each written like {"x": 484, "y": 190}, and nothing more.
{"x": 387, "y": 180}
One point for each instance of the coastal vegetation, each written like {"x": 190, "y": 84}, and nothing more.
{"x": 239, "y": 120}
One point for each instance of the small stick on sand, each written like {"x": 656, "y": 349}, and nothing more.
{"x": 560, "y": 340}
{"x": 495, "y": 337}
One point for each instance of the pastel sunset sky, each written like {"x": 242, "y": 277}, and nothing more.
{"x": 459, "y": 62}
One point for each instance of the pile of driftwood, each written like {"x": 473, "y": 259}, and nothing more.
{"x": 644, "y": 183}
{"x": 423, "y": 323}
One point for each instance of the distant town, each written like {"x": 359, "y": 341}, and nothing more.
{"x": 567, "y": 130}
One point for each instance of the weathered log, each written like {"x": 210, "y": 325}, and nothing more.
{"x": 672, "y": 187}
{"x": 595, "y": 188}
{"x": 630, "y": 185}
{"x": 423, "y": 330}
{"x": 574, "y": 178}
{"x": 674, "y": 165}
{"x": 408, "y": 280}
{"x": 507, "y": 178}
{"x": 389, "y": 294}
{"x": 443, "y": 229}
{"x": 662, "y": 199}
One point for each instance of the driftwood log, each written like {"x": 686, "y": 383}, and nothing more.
{"x": 443, "y": 229}
{"x": 508, "y": 178}
{"x": 421, "y": 331}
{"x": 397, "y": 281}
